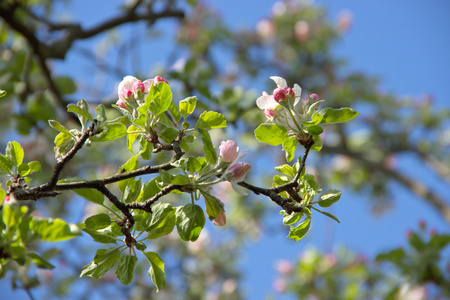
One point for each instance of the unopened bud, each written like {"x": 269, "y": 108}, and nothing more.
{"x": 159, "y": 79}
{"x": 121, "y": 103}
{"x": 138, "y": 88}
{"x": 228, "y": 151}
{"x": 313, "y": 97}
{"x": 239, "y": 170}
{"x": 279, "y": 94}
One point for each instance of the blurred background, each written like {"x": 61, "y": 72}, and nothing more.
{"x": 387, "y": 59}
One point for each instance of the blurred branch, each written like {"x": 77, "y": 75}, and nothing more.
{"x": 416, "y": 186}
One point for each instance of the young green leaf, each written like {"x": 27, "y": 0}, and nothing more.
{"x": 111, "y": 132}
{"x": 190, "y": 221}
{"x": 78, "y": 110}
{"x": 161, "y": 222}
{"x": 208, "y": 147}
{"x": 211, "y": 120}
{"x": 98, "y": 221}
{"x": 213, "y": 205}
{"x": 187, "y": 106}
{"x": 289, "y": 146}
{"x": 329, "y": 198}
{"x": 341, "y": 115}
{"x": 6, "y": 164}
{"x": 297, "y": 233}
{"x": 54, "y": 230}
{"x": 327, "y": 214}
{"x": 156, "y": 270}
{"x": 292, "y": 218}
{"x": 125, "y": 268}
{"x": 103, "y": 261}
{"x": 58, "y": 126}
{"x": 160, "y": 98}
{"x": 104, "y": 236}
{"x": 271, "y": 134}
{"x": 15, "y": 153}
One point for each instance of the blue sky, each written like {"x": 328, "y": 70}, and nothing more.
{"x": 406, "y": 44}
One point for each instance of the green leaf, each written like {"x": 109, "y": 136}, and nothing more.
{"x": 318, "y": 143}
{"x": 125, "y": 268}
{"x": 208, "y": 147}
{"x": 98, "y": 221}
{"x": 195, "y": 164}
{"x": 213, "y": 205}
{"x": 210, "y": 120}
{"x": 78, "y": 110}
{"x": 289, "y": 147}
{"x": 91, "y": 195}
{"x": 329, "y": 198}
{"x": 58, "y": 126}
{"x": 190, "y": 221}
{"x": 292, "y": 218}
{"x": 39, "y": 261}
{"x": 174, "y": 112}
{"x": 6, "y": 164}
{"x": 2, "y": 93}
{"x": 158, "y": 99}
{"x": 327, "y": 214}
{"x": 34, "y": 166}
{"x": 111, "y": 132}
{"x": 63, "y": 144}
{"x": 103, "y": 261}
{"x": 54, "y": 230}
{"x": 132, "y": 190}
{"x": 395, "y": 256}
{"x": 24, "y": 169}
{"x": 131, "y": 137}
{"x": 161, "y": 222}
{"x": 313, "y": 130}
{"x": 104, "y": 236}
{"x": 286, "y": 169}
{"x": 187, "y": 106}
{"x": 271, "y": 134}
{"x": 297, "y": 233}
{"x": 15, "y": 153}
{"x": 156, "y": 270}
{"x": 341, "y": 115}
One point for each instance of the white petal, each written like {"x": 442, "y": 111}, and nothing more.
{"x": 238, "y": 189}
{"x": 267, "y": 101}
{"x": 281, "y": 82}
{"x": 240, "y": 155}
{"x": 127, "y": 82}
{"x": 297, "y": 90}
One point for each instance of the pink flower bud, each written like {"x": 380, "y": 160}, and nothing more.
{"x": 6, "y": 199}
{"x": 228, "y": 151}
{"x": 221, "y": 219}
{"x": 270, "y": 113}
{"x": 239, "y": 170}
{"x": 138, "y": 88}
{"x": 159, "y": 79}
{"x": 125, "y": 94}
{"x": 279, "y": 94}
{"x": 290, "y": 92}
{"x": 313, "y": 97}
{"x": 121, "y": 103}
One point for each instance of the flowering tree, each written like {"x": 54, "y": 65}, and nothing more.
{"x": 150, "y": 157}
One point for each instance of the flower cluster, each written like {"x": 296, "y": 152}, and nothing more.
{"x": 284, "y": 107}
{"x": 132, "y": 89}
